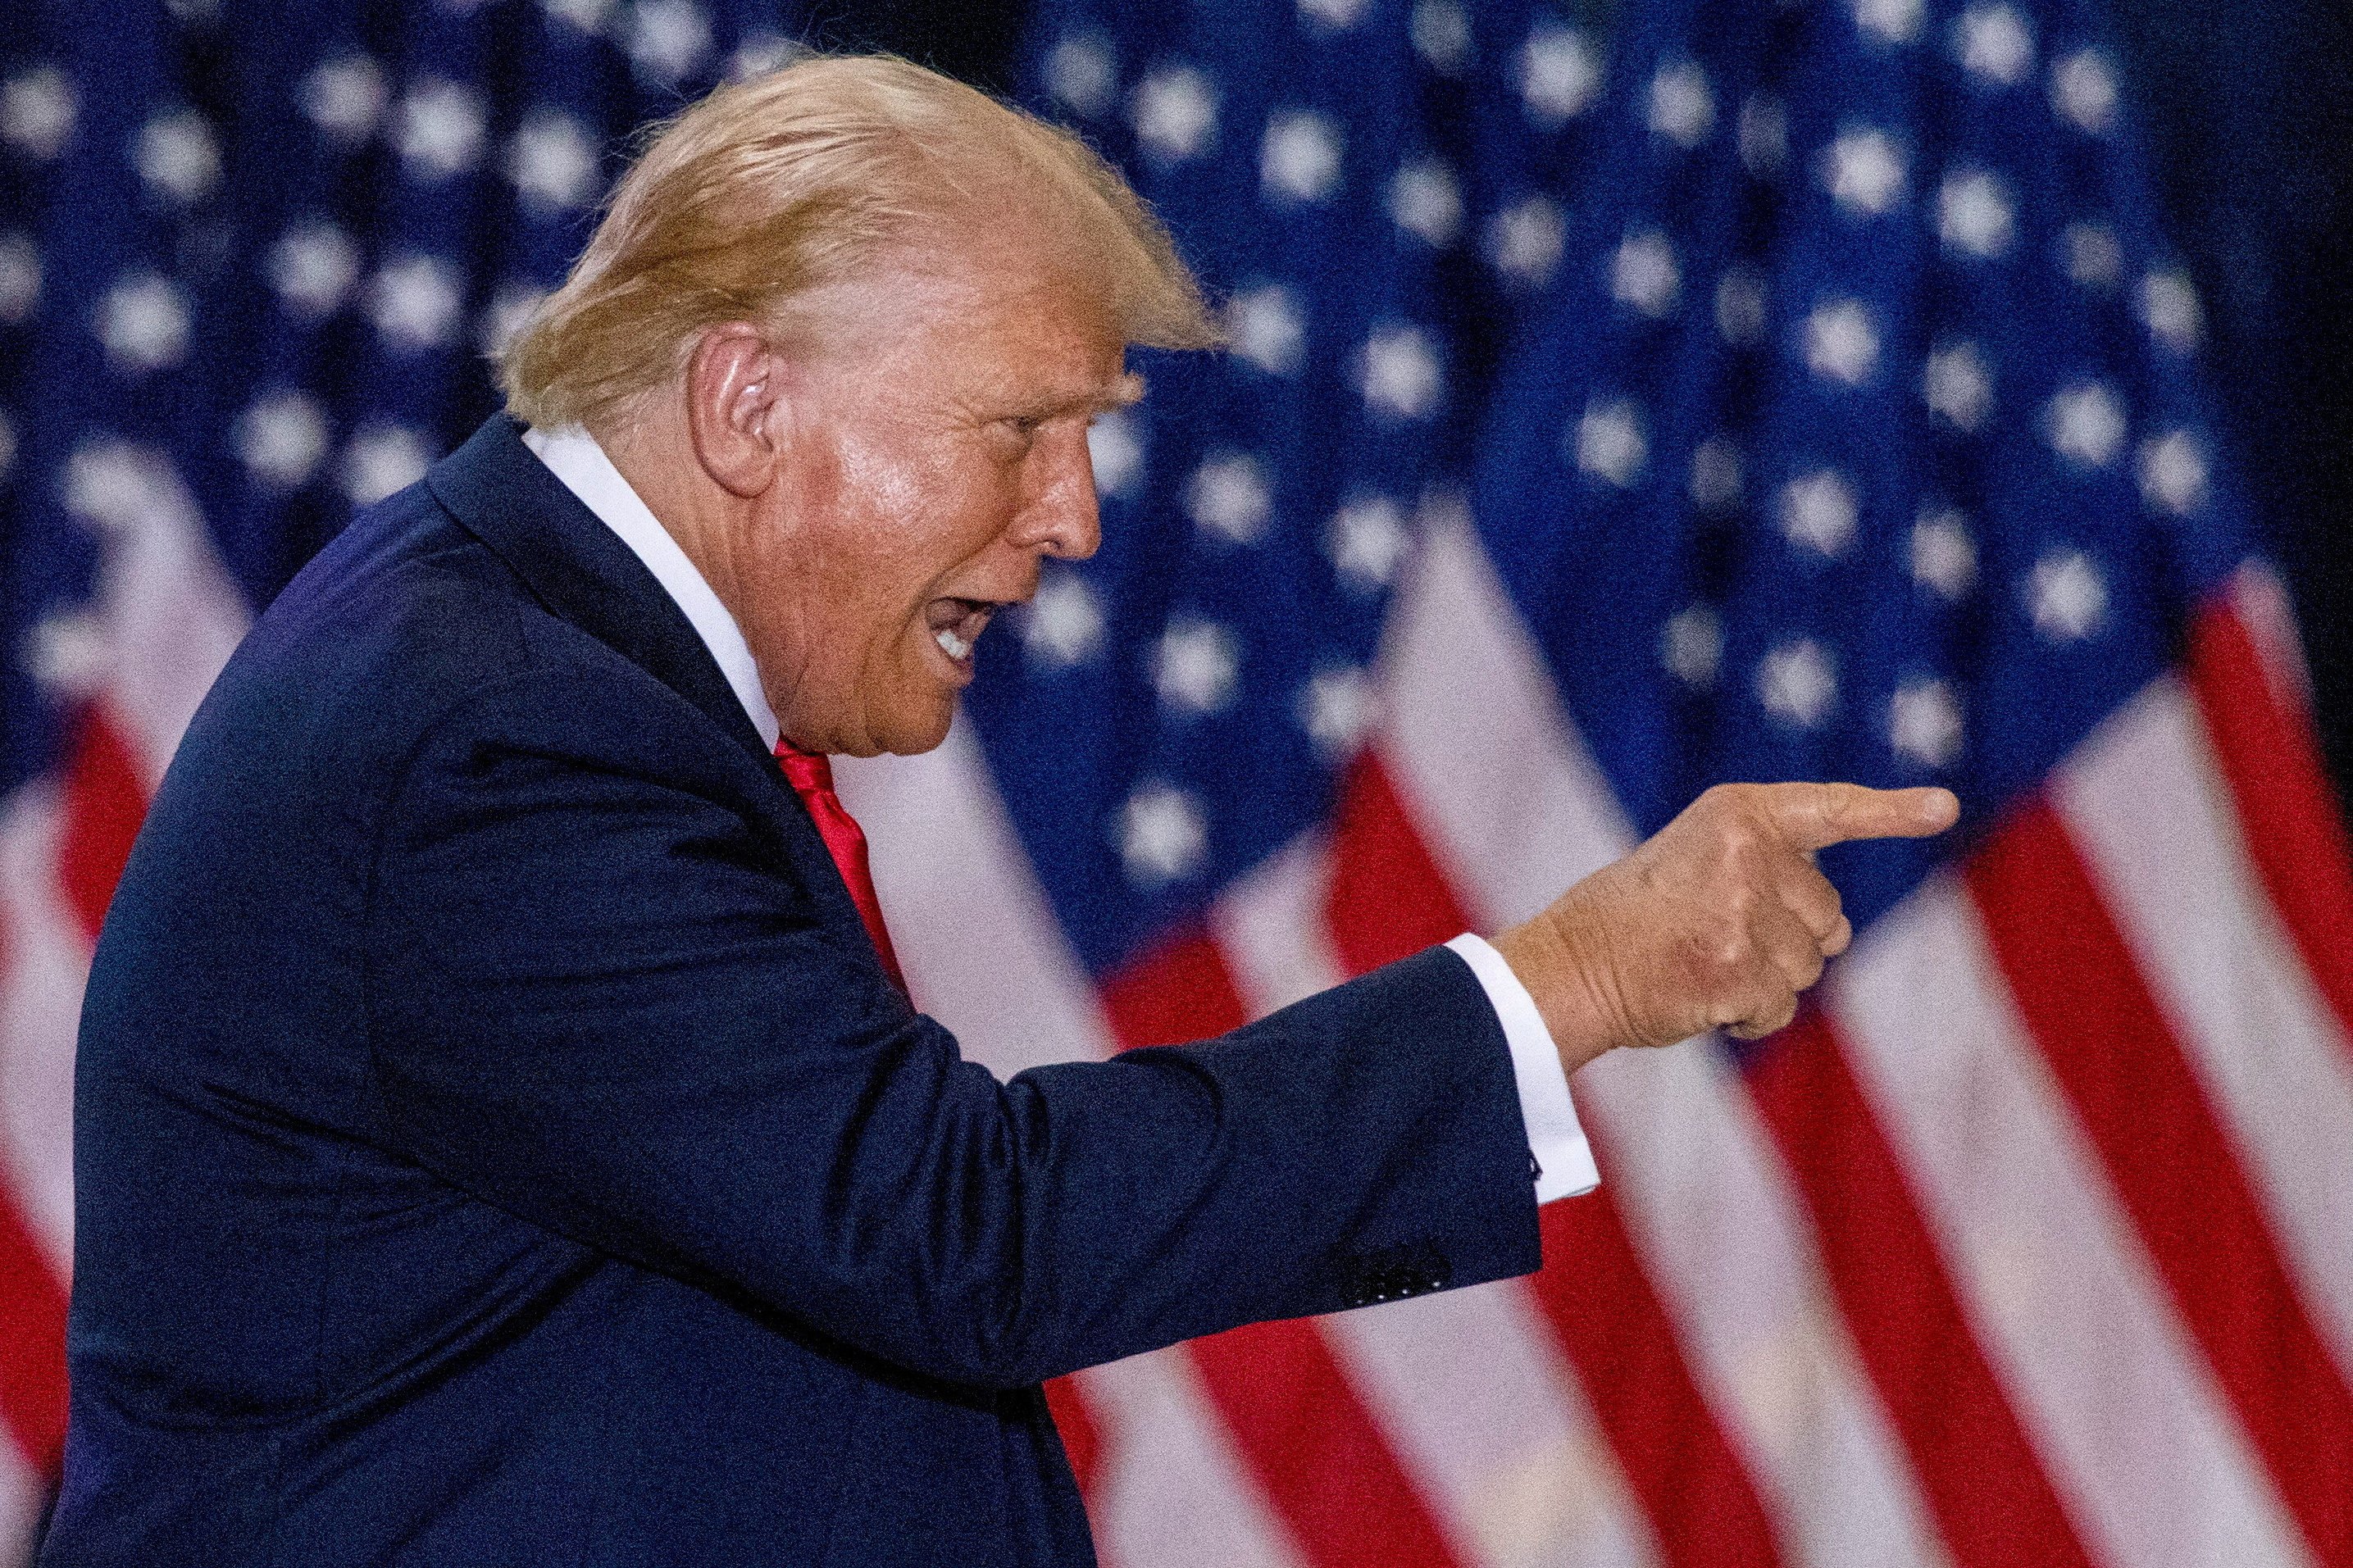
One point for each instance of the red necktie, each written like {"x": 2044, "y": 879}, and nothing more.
{"x": 811, "y": 775}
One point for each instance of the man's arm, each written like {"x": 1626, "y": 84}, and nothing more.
{"x": 601, "y": 1001}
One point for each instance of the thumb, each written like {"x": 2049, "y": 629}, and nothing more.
{"x": 1815, "y": 816}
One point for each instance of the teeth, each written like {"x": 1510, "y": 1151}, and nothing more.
{"x": 955, "y": 647}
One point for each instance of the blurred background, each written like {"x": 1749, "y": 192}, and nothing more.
{"x": 1625, "y": 395}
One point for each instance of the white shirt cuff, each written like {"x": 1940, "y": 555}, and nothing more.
{"x": 1555, "y": 1138}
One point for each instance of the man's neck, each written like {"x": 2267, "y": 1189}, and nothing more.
{"x": 657, "y": 456}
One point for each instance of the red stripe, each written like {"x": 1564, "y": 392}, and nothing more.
{"x": 1676, "y": 1457}
{"x": 2114, "y": 1054}
{"x": 1324, "y": 1462}
{"x": 32, "y": 1344}
{"x": 1180, "y": 991}
{"x": 2295, "y": 834}
{"x": 105, "y": 801}
{"x": 1296, "y": 1421}
{"x": 1081, "y": 1437}
{"x": 1387, "y": 898}
{"x": 1993, "y": 1504}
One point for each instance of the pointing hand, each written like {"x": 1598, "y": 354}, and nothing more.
{"x": 1718, "y": 921}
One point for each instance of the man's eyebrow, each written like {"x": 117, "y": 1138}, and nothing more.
{"x": 1121, "y": 394}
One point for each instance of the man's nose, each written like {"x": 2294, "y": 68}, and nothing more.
{"x": 1064, "y": 519}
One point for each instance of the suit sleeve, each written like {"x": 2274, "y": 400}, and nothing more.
{"x": 603, "y": 998}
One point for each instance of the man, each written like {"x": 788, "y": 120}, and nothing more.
{"x": 501, "y": 1136}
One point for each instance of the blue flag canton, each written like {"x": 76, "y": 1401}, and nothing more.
{"x": 1864, "y": 436}
{"x": 1372, "y": 191}
{"x": 267, "y": 250}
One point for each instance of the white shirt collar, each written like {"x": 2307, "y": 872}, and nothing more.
{"x": 573, "y": 457}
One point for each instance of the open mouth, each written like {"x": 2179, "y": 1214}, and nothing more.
{"x": 956, "y": 624}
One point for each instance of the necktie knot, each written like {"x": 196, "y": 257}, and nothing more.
{"x": 806, "y": 772}
{"x": 811, "y": 775}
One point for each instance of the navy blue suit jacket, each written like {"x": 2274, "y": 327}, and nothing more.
{"x": 497, "y": 1142}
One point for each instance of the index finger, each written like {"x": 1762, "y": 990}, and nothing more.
{"x": 1815, "y": 816}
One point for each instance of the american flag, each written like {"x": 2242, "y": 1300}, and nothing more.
{"x": 1742, "y": 389}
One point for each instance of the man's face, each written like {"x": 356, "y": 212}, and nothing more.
{"x": 934, "y": 453}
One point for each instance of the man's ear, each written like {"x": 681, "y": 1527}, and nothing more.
{"x": 734, "y": 390}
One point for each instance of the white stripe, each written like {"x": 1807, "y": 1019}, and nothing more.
{"x": 2062, "y": 1296}
{"x": 982, "y": 953}
{"x": 172, "y": 617}
{"x": 44, "y": 964}
{"x": 1269, "y": 925}
{"x": 1505, "y": 791}
{"x": 2151, "y": 810}
{"x": 1468, "y": 1386}
{"x": 1474, "y": 732}
{"x": 2264, "y": 607}
{"x": 1707, "y": 1202}
{"x": 20, "y": 1507}
{"x": 1173, "y": 1493}
{"x": 1491, "y": 1424}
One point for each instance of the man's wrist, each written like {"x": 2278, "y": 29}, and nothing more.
{"x": 1562, "y": 982}
{"x": 1561, "y": 1159}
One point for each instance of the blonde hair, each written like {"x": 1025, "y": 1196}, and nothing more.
{"x": 787, "y": 182}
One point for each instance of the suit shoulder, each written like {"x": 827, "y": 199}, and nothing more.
{"x": 407, "y": 617}
{"x": 405, "y": 628}
{"x": 405, "y": 605}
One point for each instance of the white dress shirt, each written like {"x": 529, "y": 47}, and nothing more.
{"x": 1564, "y": 1160}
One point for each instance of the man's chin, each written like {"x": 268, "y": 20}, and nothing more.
{"x": 912, "y": 734}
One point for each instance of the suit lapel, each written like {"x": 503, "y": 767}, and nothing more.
{"x": 580, "y": 568}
